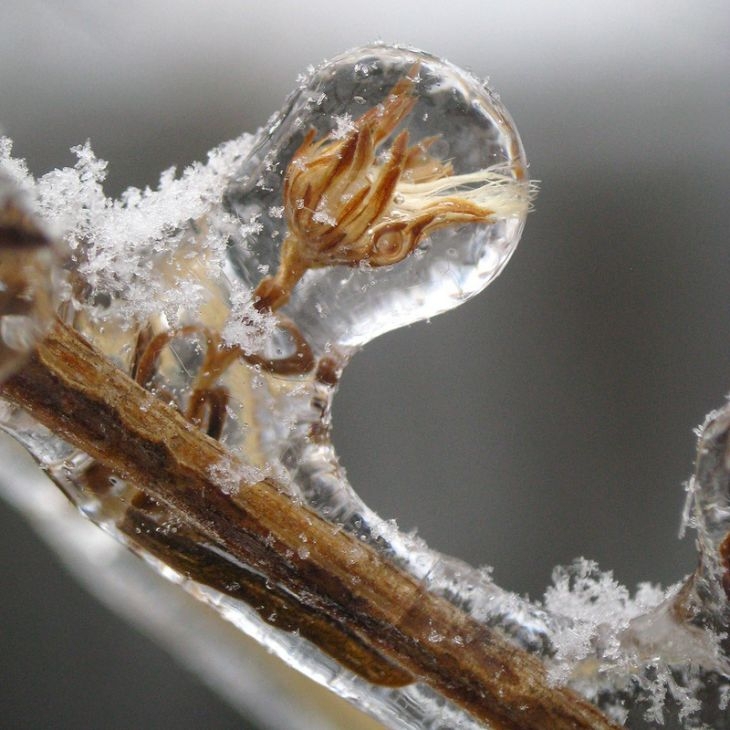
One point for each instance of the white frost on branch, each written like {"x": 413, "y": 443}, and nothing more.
{"x": 151, "y": 251}
{"x": 598, "y": 610}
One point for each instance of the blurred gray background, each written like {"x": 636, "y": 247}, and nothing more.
{"x": 549, "y": 418}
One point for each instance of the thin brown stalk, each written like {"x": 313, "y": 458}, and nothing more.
{"x": 339, "y": 593}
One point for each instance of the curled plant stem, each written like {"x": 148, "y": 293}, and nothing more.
{"x": 340, "y": 588}
{"x": 207, "y": 395}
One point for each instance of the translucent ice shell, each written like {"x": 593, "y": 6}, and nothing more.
{"x": 390, "y": 188}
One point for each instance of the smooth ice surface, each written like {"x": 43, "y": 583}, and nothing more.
{"x": 458, "y": 122}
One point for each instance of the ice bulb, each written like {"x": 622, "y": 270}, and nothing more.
{"x": 390, "y": 188}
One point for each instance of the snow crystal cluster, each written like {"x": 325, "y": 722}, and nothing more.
{"x": 151, "y": 252}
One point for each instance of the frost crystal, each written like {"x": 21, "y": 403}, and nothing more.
{"x": 596, "y": 608}
{"x": 142, "y": 250}
{"x": 245, "y": 325}
{"x": 343, "y": 126}
{"x": 232, "y": 476}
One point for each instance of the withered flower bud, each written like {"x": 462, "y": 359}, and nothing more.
{"x": 349, "y": 202}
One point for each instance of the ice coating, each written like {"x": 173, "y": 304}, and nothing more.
{"x": 191, "y": 290}
{"x": 463, "y": 179}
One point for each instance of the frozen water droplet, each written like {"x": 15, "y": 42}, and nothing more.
{"x": 403, "y": 153}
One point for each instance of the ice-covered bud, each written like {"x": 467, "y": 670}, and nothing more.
{"x": 345, "y": 206}
{"x": 403, "y": 187}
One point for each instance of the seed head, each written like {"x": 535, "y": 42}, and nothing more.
{"x": 350, "y": 200}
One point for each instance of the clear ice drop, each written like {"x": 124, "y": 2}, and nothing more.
{"x": 391, "y": 187}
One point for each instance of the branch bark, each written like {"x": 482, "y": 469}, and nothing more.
{"x": 342, "y": 595}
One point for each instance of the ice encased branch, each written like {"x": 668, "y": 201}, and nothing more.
{"x": 158, "y": 254}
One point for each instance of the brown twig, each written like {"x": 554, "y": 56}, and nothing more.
{"x": 339, "y": 593}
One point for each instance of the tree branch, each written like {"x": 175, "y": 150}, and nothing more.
{"x": 341, "y": 594}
